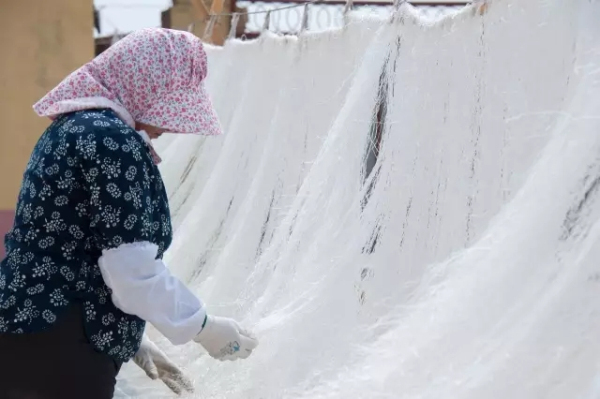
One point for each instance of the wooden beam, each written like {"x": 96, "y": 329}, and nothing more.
{"x": 217, "y": 7}
{"x": 200, "y": 10}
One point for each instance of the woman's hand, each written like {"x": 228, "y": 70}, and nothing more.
{"x": 224, "y": 339}
{"x": 157, "y": 365}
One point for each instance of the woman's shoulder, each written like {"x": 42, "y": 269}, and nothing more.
{"x": 92, "y": 122}
{"x": 99, "y": 134}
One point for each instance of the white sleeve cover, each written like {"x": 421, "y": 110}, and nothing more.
{"x": 143, "y": 286}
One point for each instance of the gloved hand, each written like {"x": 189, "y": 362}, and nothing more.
{"x": 156, "y": 364}
{"x": 224, "y": 339}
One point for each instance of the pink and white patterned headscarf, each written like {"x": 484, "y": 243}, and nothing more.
{"x": 153, "y": 76}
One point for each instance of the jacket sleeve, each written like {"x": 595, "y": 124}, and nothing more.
{"x": 118, "y": 177}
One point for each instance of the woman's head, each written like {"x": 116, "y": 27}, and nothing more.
{"x": 152, "y": 77}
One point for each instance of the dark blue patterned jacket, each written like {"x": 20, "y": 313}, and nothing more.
{"x": 90, "y": 185}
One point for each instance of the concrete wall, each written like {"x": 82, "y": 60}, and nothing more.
{"x": 41, "y": 42}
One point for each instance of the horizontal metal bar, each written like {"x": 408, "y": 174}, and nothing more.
{"x": 363, "y": 3}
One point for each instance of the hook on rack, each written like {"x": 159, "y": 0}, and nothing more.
{"x": 235, "y": 19}
{"x": 347, "y": 8}
{"x": 208, "y": 32}
{"x": 265, "y": 26}
{"x": 304, "y": 24}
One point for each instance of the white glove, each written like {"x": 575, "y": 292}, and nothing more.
{"x": 156, "y": 364}
{"x": 224, "y": 339}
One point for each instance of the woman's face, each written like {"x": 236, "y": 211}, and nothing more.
{"x": 153, "y": 131}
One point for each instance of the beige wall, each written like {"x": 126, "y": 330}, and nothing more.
{"x": 41, "y": 41}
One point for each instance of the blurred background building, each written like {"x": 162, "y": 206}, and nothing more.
{"x": 42, "y": 42}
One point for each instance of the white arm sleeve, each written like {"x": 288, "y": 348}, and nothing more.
{"x": 143, "y": 286}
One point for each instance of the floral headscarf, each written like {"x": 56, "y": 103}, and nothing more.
{"x": 153, "y": 76}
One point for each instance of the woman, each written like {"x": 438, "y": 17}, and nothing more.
{"x": 84, "y": 270}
